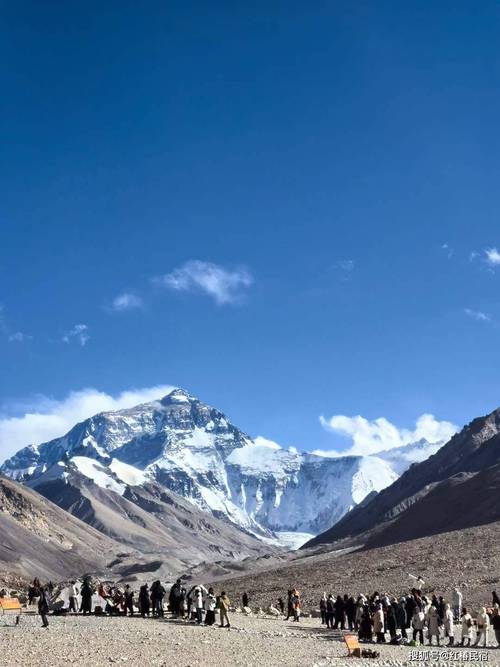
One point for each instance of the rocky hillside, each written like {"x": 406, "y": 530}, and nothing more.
{"x": 40, "y": 539}
{"x": 187, "y": 447}
{"x": 457, "y": 487}
{"x": 468, "y": 558}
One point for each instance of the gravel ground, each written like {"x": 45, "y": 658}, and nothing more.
{"x": 102, "y": 641}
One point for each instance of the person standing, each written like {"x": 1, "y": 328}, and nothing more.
{"x": 457, "y": 604}
{"x": 418, "y": 623}
{"x": 43, "y": 607}
{"x": 223, "y": 609}
{"x": 73, "y": 597}
{"x": 466, "y": 627}
{"x": 281, "y": 606}
{"x": 495, "y": 623}
{"x": 339, "y": 613}
{"x": 244, "y": 599}
{"x": 448, "y": 625}
{"x": 330, "y": 611}
{"x": 378, "y": 624}
{"x": 128, "y": 598}
{"x": 433, "y": 624}
{"x": 86, "y": 592}
{"x": 144, "y": 600}
{"x": 483, "y": 624}
{"x": 210, "y": 605}
{"x": 296, "y": 606}
{"x": 322, "y": 609}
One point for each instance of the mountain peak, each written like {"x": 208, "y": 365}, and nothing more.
{"x": 177, "y": 395}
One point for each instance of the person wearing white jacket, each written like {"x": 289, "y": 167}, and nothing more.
{"x": 196, "y": 594}
{"x": 448, "y": 624}
{"x": 457, "y": 603}
{"x": 483, "y": 624}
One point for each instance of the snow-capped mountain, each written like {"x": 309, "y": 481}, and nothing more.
{"x": 193, "y": 450}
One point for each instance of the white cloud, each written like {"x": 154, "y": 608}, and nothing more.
{"x": 79, "y": 333}
{"x": 223, "y": 285}
{"x": 44, "y": 418}
{"x": 448, "y": 250}
{"x": 265, "y": 442}
{"x": 19, "y": 337}
{"x": 370, "y": 437}
{"x": 477, "y": 315}
{"x": 492, "y": 256}
{"x": 126, "y": 301}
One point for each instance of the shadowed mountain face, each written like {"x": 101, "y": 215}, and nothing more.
{"x": 457, "y": 487}
{"x": 181, "y": 445}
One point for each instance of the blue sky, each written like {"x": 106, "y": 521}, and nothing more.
{"x": 289, "y": 209}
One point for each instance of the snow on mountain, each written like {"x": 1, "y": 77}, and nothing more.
{"x": 193, "y": 450}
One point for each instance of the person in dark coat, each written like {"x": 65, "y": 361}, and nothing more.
{"x": 281, "y": 606}
{"x": 401, "y": 619}
{"x": 350, "y": 610}
{"x": 174, "y": 598}
{"x": 43, "y": 607}
{"x": 365, "y": 632}
{"x": 157, "y": 594}
{"x": 86, "y": 593}
{"x": 495, "y": 599}
{"x": 144, "y": 600}
{"x": 410, "y": 608}
{"x": 322, "y": 608}
{"x": 339, "y": 613}
{"x": 392, "y": 623}
{"x": 289, "y": 604}
{"x": 244, "y": 599}
{"x": 128, "y": 598}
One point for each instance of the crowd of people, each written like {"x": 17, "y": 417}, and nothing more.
{"x": 406, "y": 619}
{"x": 197, "y": 603}
{"x": 378, "y": 617}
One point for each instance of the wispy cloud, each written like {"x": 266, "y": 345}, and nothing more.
{"x": 344, "y": 269}
{"x": 492, "y": 257}
{"x": 126, "y": 301}
{"x": 370, "y": 437}
{"x": 223, "y": 285}
{"x": 43, "y": 418}
{"x": 19, "y": 337}
{"x": 448, "y": 250}
{"x": 79, "y": 333}
{"x": 477, "y": 315}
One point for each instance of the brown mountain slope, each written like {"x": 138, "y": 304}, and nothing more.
{"x": 475, "y": 449}
{"x": 40, "y": 539}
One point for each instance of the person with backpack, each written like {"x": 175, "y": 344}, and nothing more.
{"x": 43, "y": 607}
{"x": 296, "y": 606}
{"x": 223, "y": 610}
{"x": 466, "y": 627}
